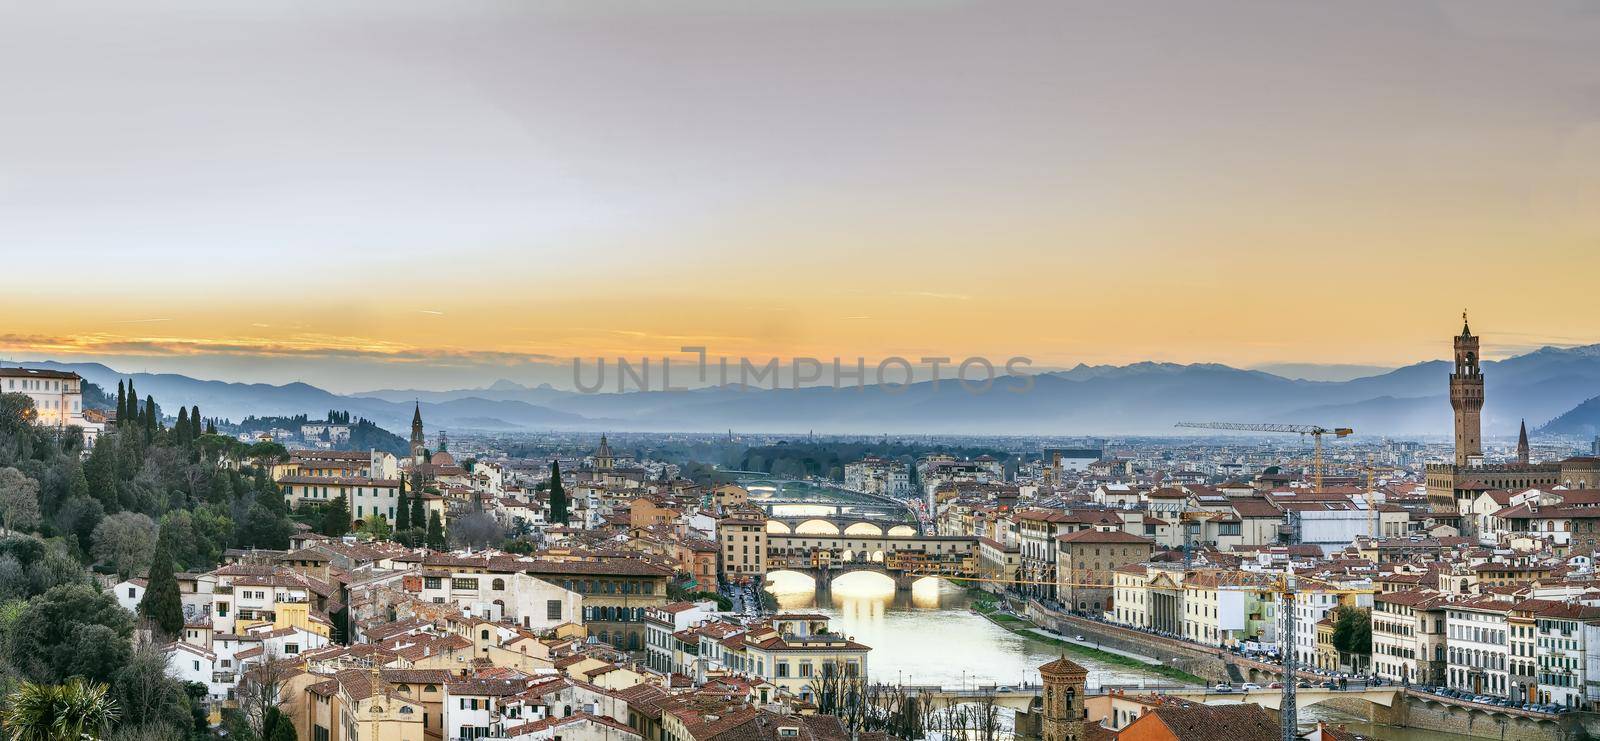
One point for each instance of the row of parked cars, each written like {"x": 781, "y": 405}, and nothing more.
{"x": 1496, "y": 701}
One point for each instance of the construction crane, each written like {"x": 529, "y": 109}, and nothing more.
{"x": 1316, "y": 432}
{"x": 1286, "y": 586}
{"x": 1370, "y": 495}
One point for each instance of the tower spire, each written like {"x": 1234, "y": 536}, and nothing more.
{"x": 1522, "y": 444}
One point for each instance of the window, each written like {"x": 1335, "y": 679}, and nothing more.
{"x": 552, "y": 609}
{"x": 464, "y": 584}
{"x": 291, "y": 648}
{"x": 432, "y": 582}
{"x": 498, "y": 585}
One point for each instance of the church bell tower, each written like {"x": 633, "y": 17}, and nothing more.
{"x": 1466, "y": 396}
{"x": 1064, "y": 684}
{"x": 417, "y": 444}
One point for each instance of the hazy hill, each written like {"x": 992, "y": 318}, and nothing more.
{"x": 1582, "y": 420}
{"x": 1141, "y": 398}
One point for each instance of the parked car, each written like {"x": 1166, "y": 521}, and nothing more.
{"x": 1275, "y": 686}
{"x": 1247, "y": 686}
{"x": 1222, "y": 688}
{"x": 1326, "y": 684}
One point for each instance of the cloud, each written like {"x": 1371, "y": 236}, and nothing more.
{"x": 307, "y": 346}
{"x": 140, "y": 321}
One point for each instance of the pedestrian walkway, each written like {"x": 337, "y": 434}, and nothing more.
{"x": 1096, "y": 646}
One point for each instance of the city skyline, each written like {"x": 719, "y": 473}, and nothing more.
{"x": 461, "y": 192}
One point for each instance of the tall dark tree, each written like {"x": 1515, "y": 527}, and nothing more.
{"x": 402, "y": 509}
{"x": 435, "y": 531}
{"x": 132, "y": 416}
{"x": 336, "y": 518}
{"x": 558, "y": 496}
{"x": 151, "y": 423}
{"x": 181, "y": 429}
{"x": 211, "y": 427}
{"x": 419, "y": 509}
{"x": 122, "y": 402}
{"x": 194, "y": 421}
{"x": 162, "y": 604}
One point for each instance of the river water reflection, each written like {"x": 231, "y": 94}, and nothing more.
{"x": 929, "y": 635}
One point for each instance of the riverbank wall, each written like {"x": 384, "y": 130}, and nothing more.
{"x": 1410, "y": 710}
{"x": 1193, "y": 659}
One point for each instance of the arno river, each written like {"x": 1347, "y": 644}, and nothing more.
{"x": 930, "y": 635}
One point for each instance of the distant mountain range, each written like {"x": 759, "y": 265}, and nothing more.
{"x": 1554, "y": 385}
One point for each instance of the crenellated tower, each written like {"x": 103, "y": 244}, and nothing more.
{"x": 1466, "y": 396}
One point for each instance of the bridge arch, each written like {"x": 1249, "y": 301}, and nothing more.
{"x": 816, "y": 526}
{"x": 902, "y": 531}
{"x": 863, "y": 528}
{"x": 778, "y": 526}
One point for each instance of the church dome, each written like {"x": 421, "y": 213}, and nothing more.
{"x": 443, "y": 458}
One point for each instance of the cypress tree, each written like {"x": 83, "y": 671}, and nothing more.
{"x": 419, "y": 509}
{"x": 435, "y": 531}
{"x": 211, "y": 427}
{"x": 133, "y": 406}
{"x": 162, "y": 605}
{"x": 336, "y": 518}
{"x": 402, "y": 509}
{"x": 558, "y": 496}
{"x": 181, "y": 430}
{"x": 151, "y": 424}
{"x": 194, "y": 421}
{"x": 122, "y": 402}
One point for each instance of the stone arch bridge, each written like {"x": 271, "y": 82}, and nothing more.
{"x": 905, "y": 558}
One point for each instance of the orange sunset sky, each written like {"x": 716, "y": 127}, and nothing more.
{"x": 427, "y": 193}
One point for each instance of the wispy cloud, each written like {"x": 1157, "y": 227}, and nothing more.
{"x": 304, "y": 346}
{"x": 430, "y": 311}
{"x": 142, "y": 321}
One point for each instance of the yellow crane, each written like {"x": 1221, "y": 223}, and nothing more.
{"x": 1370, "y": 495}
{"x": 1315, "y": 431}
{"x": 1286, "y": 586}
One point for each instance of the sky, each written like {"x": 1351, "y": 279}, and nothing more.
{"x": 399, "y": 193}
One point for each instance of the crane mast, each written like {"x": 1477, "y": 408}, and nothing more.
{"x": 1315, "y": 431}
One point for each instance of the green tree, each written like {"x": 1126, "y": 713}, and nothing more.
{"x": 65, "y": 712}
{"x": 376, "y": 527}
{"x": 194, "y": 422}
{"x": 122, "y": 402}
{"x": 336, "y": 518}
{"x": 162, "y": 604}
{"x": 260, "y": 527}
{"x": 151, "y": 418}
{"x": 71, "y": 630}
{"x": 435, "y": 531}
{"x": 133, "y": 407}
{"x": 181, "y": 429}
{"x": 150, "y": 699}
{"x": 419, "y": 509}
{"x": 402, "y": 509}
{"x": 124, "y": 542}
{"x": 19, "y": 500}
{"x": 1352, "y": 632}
{"x": 276, "y": 726}
{"x": 558, "y": 496}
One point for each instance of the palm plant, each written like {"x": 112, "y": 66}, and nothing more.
{"x": 74, "y": 711}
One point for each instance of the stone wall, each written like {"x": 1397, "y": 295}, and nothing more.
{"x": 1195, "y": 660}
{"x": 1435, "y": 716}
